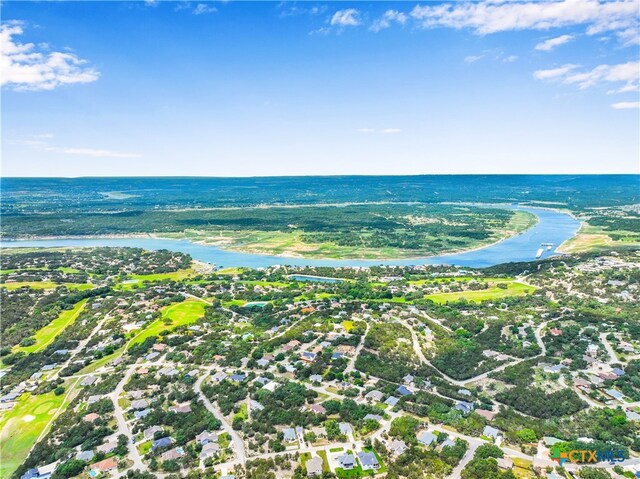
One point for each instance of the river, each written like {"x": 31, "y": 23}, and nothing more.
{"x": 552, "y": 227}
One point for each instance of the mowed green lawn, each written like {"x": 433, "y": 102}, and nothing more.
{"x": 137, "y": 280}
{"x": 492, "y": 293}
{"x": 46, "y": 335}
{"x": 21, "y": 427}
{"x": 179, "y": 314}
{"x": 45, "y": 285}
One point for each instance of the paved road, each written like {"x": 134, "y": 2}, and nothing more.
{"x": 123, "y": 428}
{"x": 238, "y": 444}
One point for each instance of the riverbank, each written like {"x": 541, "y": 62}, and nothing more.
{"x": 552, "y": 227}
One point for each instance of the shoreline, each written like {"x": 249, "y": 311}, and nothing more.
{"x": 156, "y": 236}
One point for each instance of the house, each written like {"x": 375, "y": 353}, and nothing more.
{"x": 88, "y": 381}
{"x": 408, "y": 379}
{"x": 193, "y": 373}
{"x": 314, "y": 467}
{"x": 491, "y": 432}
{"x": 404, "y": 391}
{"x": 105, "y": 465}
{"x": 318, "y": 408}
{"x": 141, "y": 414}
{"x": 504, "y": 462}
{"x": 447, "y": 443}
{"x": 308, "y": 357}
{"x": 392, "y": 401}
{"x": 150, "y": 432}
{"x": 162, "y": 442}
{"x": 85, "y": 456}
{"x": 618, "y": 372}
{"x": 139, "y": 404}
{"x": 614, "y": 394}
{"x": 550, "y": 441}
{"x": 464, "y": 407}
{"x": 263, "y": 363}
{"x": 397, "y": 447}
{"x": 219, "y": 376}
{"x": 238, "y": 377}
{"x": 345, "y": 428}
{"x": 256, "y": 405}
{"x": 172, "y": 454}
{"x": 262, "y": 381}
{"x": 45, "y": 472}
{"x": 107, "y": 447}
{"x": 93, "y": 399}
{"x": 374, "y": 395}
{"x": 347, "y": 461}
{"x": 336, "y": 355}
{"x": 373, "y": 417}
{"x": 168, "y": 371}
{"x": 206, "y": 437}
{"x": 315, "y": 378}
{"x": 488, "y": 415}
{"x": 427, "y": 438}
{"x": 181, "y": 408}
{"x": 210, "y": 449}
{"x": 289, "y": 434}
{"x": 368, "y": 461}
{"x": 90, "y": 417}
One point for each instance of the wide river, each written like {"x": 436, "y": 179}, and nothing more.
{"x": 552, "y": 227}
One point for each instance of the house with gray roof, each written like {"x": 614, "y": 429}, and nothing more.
{"x": 368, "y": 461}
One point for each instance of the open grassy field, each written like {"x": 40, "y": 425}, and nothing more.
{"x": 593, "y": 238}
{"x": 46, "y": 335}
{"x": 173, "y": 276}
{"x": 45, "y": 285}
{"x": 21, "y": 427}
{"x": 179, "y": 314}
{"x": 492, "y": 293}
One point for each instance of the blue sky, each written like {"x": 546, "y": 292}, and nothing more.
{"x": 243, "y": 88}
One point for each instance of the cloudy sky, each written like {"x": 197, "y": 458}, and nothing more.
{"x": 301, "y": 88}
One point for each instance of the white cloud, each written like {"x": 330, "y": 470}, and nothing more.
{"x": 553, "y": 73}
{"x": 626, "y": 73}
{"x": 551, "y": 43}
{"x": 92, "y": 152}
{"x": 24, "y": 66}
{"x": 391, "y": 130}
{"x": 349, "y": 17}
{"x": 202, "y": 8}
{"x": 389, "y": 17}
{"x": 473, "y": 58}
{"x": 510, "y": 59}
{"x": 620, "y": 16}
{"x": 365, "y": 130}
{"x": 626, "y": 105}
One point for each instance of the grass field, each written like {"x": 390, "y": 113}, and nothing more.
{"x": 46, "y": 335}
{"x": 21, "y": 427}
{"x": 45, "y": 285}
{"x": 179, "y": 314}
{"x": 492, "y": 293}
{"x": 173, "y": 276}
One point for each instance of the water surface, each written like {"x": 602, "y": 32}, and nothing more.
{"x": 552, "y": 227}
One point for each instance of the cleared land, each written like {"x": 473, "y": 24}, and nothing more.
{"x": 46, "y": 335}
{"x": 173, "y": 316}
